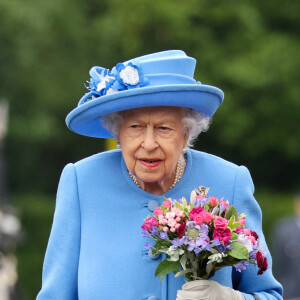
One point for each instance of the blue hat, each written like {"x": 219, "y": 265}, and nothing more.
{"x": 158, "y": 79}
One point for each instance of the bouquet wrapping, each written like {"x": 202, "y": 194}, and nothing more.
{"x": 201, "y": 237}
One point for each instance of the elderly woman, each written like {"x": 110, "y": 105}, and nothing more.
{"x": 155, "y": 109}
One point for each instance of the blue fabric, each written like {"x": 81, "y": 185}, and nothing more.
{"x": 96, "y": 250}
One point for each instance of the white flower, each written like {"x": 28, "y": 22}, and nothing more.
{"x": 243, "y": 239}
{"x": 218, "y": 257}
{"x": 130, "y": 75}
{"x": 174, "y": 253}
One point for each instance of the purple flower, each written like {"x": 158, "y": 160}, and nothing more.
{"x": 163, "y": 235}
{"x": 200, "y": 202}
{"x": 229, "y": 247}
{"x": 154, "y": 231}
{"x": 241, "y": 266}
{"x": 207, "y": 247}
{"x": 148, "y": 246}
{"x": 252, "y": 255}
{"x": 173, "y": 201}
{"x": 221, "y": 248}
{"x": 145, "y": 233}
{"x": 203, "y": 201}
{"x": 215, "y": 210}
{"x": 222, "y": 206}
{"x": 176, "y": 242}
{"x": 195, "y": 235}
{"x": 216, "y": 242}
{"x": 197, "y": 250}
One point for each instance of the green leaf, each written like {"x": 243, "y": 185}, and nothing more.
{"x": 184, "y": 202}
{"x": 183, "y": 261}
{"x": 183, "y": 272}
{"x": 179, "y": 206}
{"x": 234, "y": 236}
{"x": 232, "y": 225}
{"x": 238, "y": 251}
{"x": 206, "y": 207}
{"x": 165, "y": 267}
{"x": 232, "y": 211}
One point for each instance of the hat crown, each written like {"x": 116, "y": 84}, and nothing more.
{"x": 166, "y": 62}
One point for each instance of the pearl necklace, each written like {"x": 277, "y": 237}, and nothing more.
{"x": 179, "y": 172}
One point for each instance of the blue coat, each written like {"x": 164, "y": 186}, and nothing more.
{"x": 96, "y": 250}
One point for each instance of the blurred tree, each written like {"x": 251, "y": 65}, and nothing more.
{"x": 247, "y": 48}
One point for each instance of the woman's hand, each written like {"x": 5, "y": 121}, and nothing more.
{"x": 207, "y": 290}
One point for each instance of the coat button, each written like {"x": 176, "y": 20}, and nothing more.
{"x": 156, "y": 256}
{"x": 153, "y": 298}
{"x": 152, "y": 204}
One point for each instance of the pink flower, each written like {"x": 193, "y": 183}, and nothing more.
{"x": 213, "y": 200}
{"x": 200, "y": 197}
{"x": 167, "y": 204}
{"x": 239, "y": 230}
{"x": 198, "y": 219}
{"x": 170, "y": 215}
{"x": 172, "y": 223}
{"x": 252, "y": 239}
{"x": 226, "y": 204}
{"x": 223, "y": 234}
{"x": 149, "y": 223}
{"x": 163, "y": 221}
{"x": 206, "y": 216}
{"x": 158, "y": 211}
{"x": 195, "y": 211}
{"x": 242, "y": 221}
{"x": 247, "y": 231}
{"x": 220, "y": 222}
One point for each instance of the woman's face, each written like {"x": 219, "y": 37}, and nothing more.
{"x": 152, "y": 139}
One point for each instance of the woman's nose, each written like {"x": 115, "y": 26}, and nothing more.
{"x": 149, "y": 142}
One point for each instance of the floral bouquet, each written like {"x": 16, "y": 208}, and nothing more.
{"x": 201, "y": 237}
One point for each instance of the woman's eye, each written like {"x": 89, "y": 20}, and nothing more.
{"x": 135, "y": 126}
{"x": 164, "y": 129}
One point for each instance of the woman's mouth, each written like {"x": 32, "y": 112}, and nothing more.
{"x": 150, "y": 162}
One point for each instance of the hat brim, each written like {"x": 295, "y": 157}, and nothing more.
{"x": 86, "y": 118}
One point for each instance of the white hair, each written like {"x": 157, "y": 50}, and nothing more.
{"x": 193, "y": 123}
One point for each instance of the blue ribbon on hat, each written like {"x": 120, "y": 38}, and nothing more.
{"x": 120, "y": 78}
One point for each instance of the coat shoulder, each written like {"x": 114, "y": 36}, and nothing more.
{"x": 213, "y": 162}
{"x": 106, "y": 157}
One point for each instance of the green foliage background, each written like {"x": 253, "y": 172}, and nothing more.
{"x": 250, "y": 49}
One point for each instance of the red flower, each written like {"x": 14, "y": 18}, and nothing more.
{"x": 262, "y": 263}
{"x": 253, "y": 233}
{"x": 180, "y": 230}
{"x": 223, "y": 234}
{"x": 195, "y": 211}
